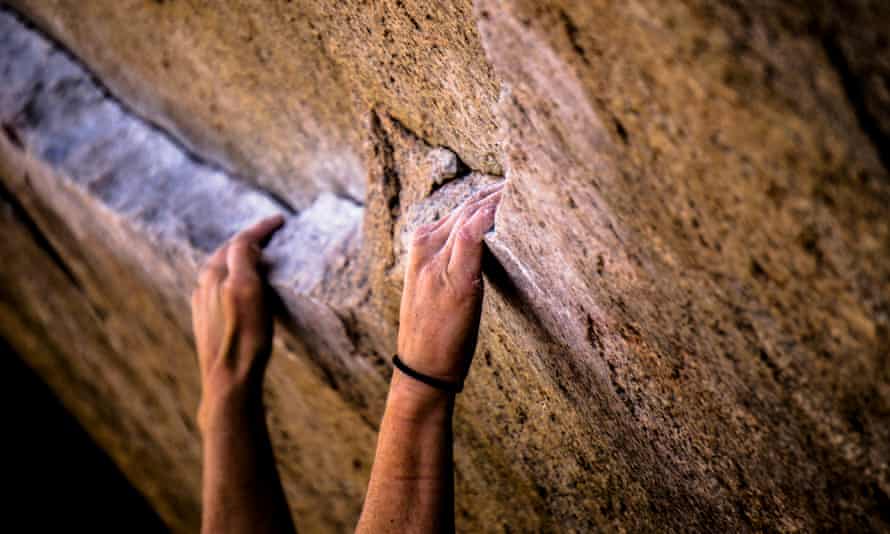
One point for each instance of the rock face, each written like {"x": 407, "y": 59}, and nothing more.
{"x": 687, "y": 314}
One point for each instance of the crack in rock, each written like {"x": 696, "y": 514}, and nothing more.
{"x": 55, "y": 114}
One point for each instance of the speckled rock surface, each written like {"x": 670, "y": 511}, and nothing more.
{"x": 687, "y": 314}
{"x": 273, "y": 90}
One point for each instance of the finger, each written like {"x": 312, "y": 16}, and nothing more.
{"x": 260, "y": 232}
{"x": 478, "y": 195}
{"x": 245, "y": 250}
{"x": 466, "y": 256}
{"x": 214, "y": 269}
{"x": 442, "y": 229}
{"x": 428, "y": 240}
{"x": 467, "y": 213}
{"x": 441, "y": 239}
{"x": 242, "y": 259}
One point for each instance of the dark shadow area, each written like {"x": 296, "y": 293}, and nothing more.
{"x": 56, "y": 477}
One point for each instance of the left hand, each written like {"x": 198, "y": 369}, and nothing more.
{"x": 232, "y": 319}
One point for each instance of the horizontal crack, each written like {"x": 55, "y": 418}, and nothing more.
{"x": 53, "y": 108}
{"x": 162, "y": 206}
{"x": 181, "y": 144}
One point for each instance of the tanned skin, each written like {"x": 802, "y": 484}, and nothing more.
{"x": 233, "y": 333}
{"x": 412, "y": 480}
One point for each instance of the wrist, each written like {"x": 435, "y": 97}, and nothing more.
{"x": 224, "y": 405}
{"x": 414, "y": 402}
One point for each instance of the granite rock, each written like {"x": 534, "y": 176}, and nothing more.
{"x": 687, "y": 293}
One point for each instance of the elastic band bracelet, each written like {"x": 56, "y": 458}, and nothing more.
{"x": 450, "y": 387}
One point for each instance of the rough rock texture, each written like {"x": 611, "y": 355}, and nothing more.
{"x": 273, "y": 90}
{"x": 687, "y": 313}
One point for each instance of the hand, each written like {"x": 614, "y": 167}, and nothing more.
{"x": 232, "y": 320}
{"x": 442, "y": 298}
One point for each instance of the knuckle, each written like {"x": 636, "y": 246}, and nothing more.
{"x": 241, "y": 247}
{"x": 474, "y": 284}
{"x": 421, "y": 237}
{"x": 206, "y": 277}
{"x": 242, "y": 290}
{"x": 467, "y": 236}
{"x": 461, "y": 286}
{"x": 240, "y": 239}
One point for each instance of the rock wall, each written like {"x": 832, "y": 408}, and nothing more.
{"x": 687, "y": 313}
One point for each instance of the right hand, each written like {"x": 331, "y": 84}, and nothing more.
{"x": 442, "y": 298}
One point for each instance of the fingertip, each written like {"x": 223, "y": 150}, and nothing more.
{"x": 270, "y": 224}
{"x": 489, "y": 209}
{"x": 484, "y": 193}
{"x": 478, "y": 224}
{"x": 487, "y": 217}
{"x": 262, "y": 230}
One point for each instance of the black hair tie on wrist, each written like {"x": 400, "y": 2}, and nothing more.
{"x": 450, "y": 387}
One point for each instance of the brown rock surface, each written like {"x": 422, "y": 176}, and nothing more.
{"x": 687, "y": 313}
{"x": 272, "y": 90}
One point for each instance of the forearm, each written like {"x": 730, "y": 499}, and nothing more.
{"x": 412, "y": 481}
{"x": 242, "y": 490}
